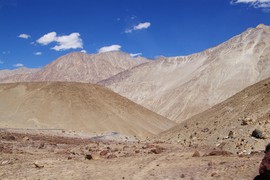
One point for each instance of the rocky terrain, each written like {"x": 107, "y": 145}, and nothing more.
{"x": 78, "y": 67}
{"x": 16, "y": 74}
{"x": 180, "y": 87}
{"x": 75, "y": 106}
{"x": 39, "y": 156}
{"x": 241, "y": 124}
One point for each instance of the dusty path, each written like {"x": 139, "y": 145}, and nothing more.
{"x": 26, "y": 156}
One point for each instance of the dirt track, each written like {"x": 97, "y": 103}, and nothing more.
{"x": 26, "y": 156}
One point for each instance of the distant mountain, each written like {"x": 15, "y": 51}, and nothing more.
{"x": 180, "y": 87}
{"x": 15, "y": 74}
{"x": 75, "y": 106}
{"x": 80, "y": 67}
{"x": 230, "y": 124}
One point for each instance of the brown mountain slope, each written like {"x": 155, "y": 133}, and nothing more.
{"x": 81, "y": 67}
{"x": 180, "y": 87}
{"x": 230, "y": 123}
{"x": 13, "y": 74}
{"x": 75, "y": 106}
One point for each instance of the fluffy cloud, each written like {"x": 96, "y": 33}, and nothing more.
{"x": 135, "y": 55}
{"x": 24, "y": 36}
{"x": 139, "y": 26}
{"x": 47, "y": 38}
{"x": 142, "y": 26}
{"x": 18, "y": 65}
{"x": 114, "y": 47}
{"x": 72, "y": 41}
{"x": 255, "y": 3}
{"x": 38, "y": 53}
{"x": 84, "y": 51}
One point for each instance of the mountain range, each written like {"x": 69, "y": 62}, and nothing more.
{"x": 174, "y": 87}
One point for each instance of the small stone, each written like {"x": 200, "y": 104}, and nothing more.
{"x": 231, "y": 134}
{"x": 196, "y": 154}
{"x": 88, "y": 156}
{"x": 104, "y": 152}
{"x": 111, "y": 156}
{"x": 25, "y": 138}
{"x": 257, "y": 134}
{"x": 156, "y": 150}
{"x": 219, "y": 153}
{"x": 37, "y": 165}
{"x": 213, "y": 174}
{"x": 182, "y": 176}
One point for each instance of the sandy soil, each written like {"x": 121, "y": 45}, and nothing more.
{"x": 43, "y": 156}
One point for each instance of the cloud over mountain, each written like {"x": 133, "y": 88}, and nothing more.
{"x": 65, "y": 42}
{"x": 114, "y": 47}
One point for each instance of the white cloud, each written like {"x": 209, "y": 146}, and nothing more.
{"x": 114, "y": 47}
{"x": 72, "y": 41}
{"x": 139, "y": 26}
{"x": 265, "y": 4}
{"x": 38, "y": 53}
{"x": 1, "y": 62}
{"x": 18, "y": 65}
{"x": 142, "y": 26}
{"x": 135, "y": 55}
{"x": 84, "y": 51}
{"x": 24, "y": 36}
{"x": 47, "y": 38}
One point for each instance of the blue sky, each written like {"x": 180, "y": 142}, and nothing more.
{"x": 36, "y": 32}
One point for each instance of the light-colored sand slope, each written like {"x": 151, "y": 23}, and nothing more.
{"x": 75, "y": 106}
{"x": 80, "y": 67}
{"x": 229, "y": 124}
{"x": 180, "y": 87}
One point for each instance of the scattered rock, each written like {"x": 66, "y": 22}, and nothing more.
{"x": 37, "y": 165}
{"x": 88, "y": 156}
{"x": 9, "y": 138}
{"x": 257, "y": 134}
{"x": 247, "y": 121}
{"x": 156, "y": 150}
{"x": 182, "y": 176}
{"x": 104, "y": 152}
{"x": 231, "y": 134}
{"x": 205, "y": 130}
{"x": 196, "y": 154}
{"x": 111, "y": 156}
{"x": 219, "y": 153}
{"x": 6, "y": 162}
{"x": 25, "y": 138}
{"x": 213, "y": 174}
{"x": 137, "y": 151}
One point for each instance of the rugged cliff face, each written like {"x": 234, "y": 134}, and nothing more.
{"x": 179, "y": 87}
